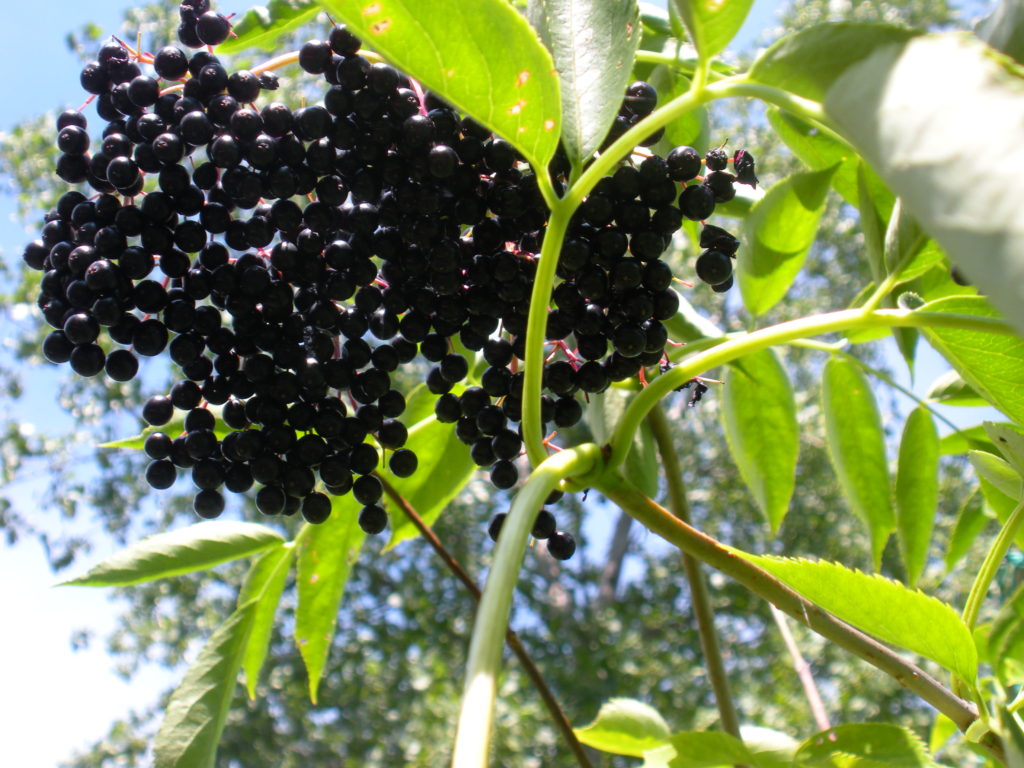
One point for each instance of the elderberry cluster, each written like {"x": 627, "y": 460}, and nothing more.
{"x": 291, "y": 260}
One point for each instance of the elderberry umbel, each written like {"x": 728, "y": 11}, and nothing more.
{"x": 290, "y": 261}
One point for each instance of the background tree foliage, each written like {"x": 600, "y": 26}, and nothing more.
{"x": 615, "y": 621}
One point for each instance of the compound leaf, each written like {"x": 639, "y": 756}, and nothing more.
{"x": 917, "y": 490}
{"x": 195, "y": 548}
{"x": 779, "y": 231}
{"x": 882, "y": 607}
{"x": 856, "y": 446}
{"x": 484, "y": 58}
{"x": 624, "y": 727}
{"x": 593, "y": 43}
{"x": 758, "y": 410}
{"x": 325, "y": 558}
{"x": 198, "y": 708}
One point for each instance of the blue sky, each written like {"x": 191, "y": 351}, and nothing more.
{"x": 55, "y": 700}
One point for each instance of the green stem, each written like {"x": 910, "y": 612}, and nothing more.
{"x": 554, "y": 708}
{"x": 727, "y": 351}
{"x": 809, "y": 110}
{"x": 472, "y": 738}
{"x": 699, "y": 597}
{"x": 993, "y": 560}
{"x": 536, "y": 327}
{"x": 763, "y": 584}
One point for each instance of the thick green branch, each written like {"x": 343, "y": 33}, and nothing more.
{"x": 735, "y": 347}
{"x": 472, "y": 739}
{"x": 699, "y": 597}
{"x": 554, "y": 709}
{"x": 763, "y": 584}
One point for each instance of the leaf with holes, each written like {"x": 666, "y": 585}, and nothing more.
{"x": 593, "y": 43}
{"x": 195, "y": 548}
{"x": 758, "y": 410}
{"x": 856, "y": 446}
{"x": 482, "y": 57}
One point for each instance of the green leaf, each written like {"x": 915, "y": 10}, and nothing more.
{"x": 593, "y": 43}
{"x": 263, "y": 585}
{"x": 712, "y": 24}
{"x": 882, "y": 607}
{"x": 195, "y": 548}
{"x": 624, "y": 727}
{"x": 951, "y": 389}
{"x": 482, "y": 58}
{"x": 691, "y": 129}
{"x": 993, "y": 364}
{"x": 689, "y": 325}
{"x": 602, "y": 414}
{"x": 173, "y": 428}
{"x": 1006, "y": 641}
{"x": 876, "y": 744}
{"x": 912, "y": 131}
{"x": 1003, "y": 29}
{"x": 904, "y": 239}
{"x": 809, "y": 62}
{"x": 1010, "y": 441}
{"x": 701, "y": 749}
{"x": 780, "y": 230}
{"x": 872, "y": 224}
{"x": 263, "y": 25}
{"x": 758, "y": 410}
{"x": 964, "y": 440}
{"x": 419, "y": 406}
{"x": 325, "y": 558}
{"x": 818, "y": 151}
{"x": 970, "y": 522}
{"x": 198, "y": 708}
{"x": 942, "y": 730}
{"x": 998, "y": 472}
{"x": 917, "y": 490}
{"x": 856, "y": 445}
{"x": 445, "y": 467}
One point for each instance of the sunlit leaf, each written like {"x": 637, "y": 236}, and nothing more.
{"x": 701, "y": 749}
{"x": 198, "y": 708}
{"x": 194, "y": 548}
{"x": 263, "y": 584}
{"x": 326, "y": 554}
{"x": 992, "y": 364}
{"x": 592, "y": 43}
{"x": 856, "y": 445}
{"x": 888, "y": 610}
{"x": 712, "y": 24}
{"x": 779, "y": 232}
{"x": 970, "y": 522}
{"x": 917, "y": 490}
{"x": 1006, "y": 641}
{"x": 998, "y": 472}
{"x": 483, "y": 58}
{"x": 876, "y": 744}
{"x": 951, "y": 389}
{"x": 625, "y": 727}
{"x": 263, "y": 25}
{"x": 758, "y": 410}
